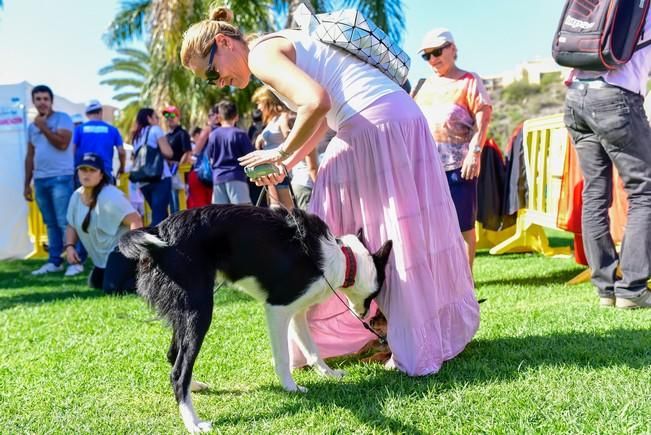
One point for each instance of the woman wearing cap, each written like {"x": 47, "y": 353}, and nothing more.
{"x": 458, "y": 110}
{"x": 98, "y": 214}
{"x": 380, "y": 173}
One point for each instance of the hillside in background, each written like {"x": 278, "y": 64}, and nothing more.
{"x": 520, "y": 101}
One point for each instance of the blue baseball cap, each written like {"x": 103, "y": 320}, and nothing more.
{"x": 91, "y": 160}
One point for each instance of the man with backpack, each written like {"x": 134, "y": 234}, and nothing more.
{"x": 606, "y": 119}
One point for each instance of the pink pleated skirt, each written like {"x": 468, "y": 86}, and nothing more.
{"x": 382, "y": 173}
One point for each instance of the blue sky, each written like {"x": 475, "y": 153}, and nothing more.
{"x": 59, "y": 43}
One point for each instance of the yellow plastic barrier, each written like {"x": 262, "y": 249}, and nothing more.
{"x": 486, "y": 239}
{"x": 37, "y": 232}
{"x": 545, "y": 143}
{"x": 184, "y": 170}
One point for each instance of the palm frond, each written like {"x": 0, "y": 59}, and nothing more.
{"x": 386, "y": 14}
{"x": 135, "y": 54}
{"x": 123, "y": 65}
{"x": 119, "y": 83}
{"x": 125, "y": 96}
{"x": 129, "y": 23}
{"x": 253, "y": 15}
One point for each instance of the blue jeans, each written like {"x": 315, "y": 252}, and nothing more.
{"x": 52, "y": 195}
{"x": 158, "y": 196}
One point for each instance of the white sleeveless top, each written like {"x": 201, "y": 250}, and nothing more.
{"x": 272, "y": 135}
{"x": 351, "y": 83}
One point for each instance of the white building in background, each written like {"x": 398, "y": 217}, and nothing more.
{"x": 531, "y": 72}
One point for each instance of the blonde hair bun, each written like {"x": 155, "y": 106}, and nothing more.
{"x": 222, "y": 13}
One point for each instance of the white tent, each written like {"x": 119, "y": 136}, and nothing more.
{"x": 16, "y": 111}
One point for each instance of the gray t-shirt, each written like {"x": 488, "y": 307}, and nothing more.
{"x": 105, "y": 226}
{"x": 49, "y": 161}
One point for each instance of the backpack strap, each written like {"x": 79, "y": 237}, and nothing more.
{"x": 642, "y": 45}
{"x": 419, "y": 85}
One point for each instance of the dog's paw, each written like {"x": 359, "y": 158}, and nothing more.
{"x": 338, "y": 374}
{"x": 295, "y": 388}
{"x": 196, "y": 386}
{"x": 204, "y": 426}
{"x": 324, "y": 370}
{"x": 199, "y": 427}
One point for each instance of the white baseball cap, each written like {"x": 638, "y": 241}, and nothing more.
{"x": 436, "y": 38}
{"x": 93, "y": 105}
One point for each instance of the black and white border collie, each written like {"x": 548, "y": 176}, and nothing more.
{"x": 278, "y": 257}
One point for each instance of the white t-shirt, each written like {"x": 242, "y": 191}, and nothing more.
{"x": 105, "y": 226}
{"x": 633, "y": 75}
{"x": 152, "y": 134}
{"x": 301, "y": 175}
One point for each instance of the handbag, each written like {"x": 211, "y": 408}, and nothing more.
{"x": 204, "y": 169}
{"x": 148, "y": 164}
{"x": 350, "y": 30}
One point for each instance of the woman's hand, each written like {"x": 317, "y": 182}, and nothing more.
{"x": 270, "y": 180}
{"x": 259, "y": 157}
{"x": 72, "y": 256}
{"x": 471, "y": 166}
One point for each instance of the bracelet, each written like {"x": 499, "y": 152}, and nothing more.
{"x": 68, "y": 245}
{"x": 283, "y": 154}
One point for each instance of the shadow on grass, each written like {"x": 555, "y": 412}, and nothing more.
{"x": 41, "y": 297}
{"x": 18, "y": 275}
{"x": 484, "y": 361}
{"x": 555, "y": 277}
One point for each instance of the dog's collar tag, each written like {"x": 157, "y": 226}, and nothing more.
{"x": 351, "y": 267}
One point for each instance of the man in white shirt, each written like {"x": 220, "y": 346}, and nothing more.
{"x": 604, "y": 115}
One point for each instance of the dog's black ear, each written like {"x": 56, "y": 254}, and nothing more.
{"x": 381, "y": 256}
{"x": 360, "y": 236}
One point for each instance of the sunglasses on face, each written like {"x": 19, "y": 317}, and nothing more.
{"x": 436, "y": 52}
{"x": 169, "y": 115}
{"x": 211, "y": 75}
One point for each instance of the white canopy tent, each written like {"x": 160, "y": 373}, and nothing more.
{"x": 16, "y": 111}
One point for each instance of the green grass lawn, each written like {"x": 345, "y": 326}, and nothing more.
{"x": 546, "y": 359}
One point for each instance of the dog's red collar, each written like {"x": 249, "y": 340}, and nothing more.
{"x": 351, "y": 267}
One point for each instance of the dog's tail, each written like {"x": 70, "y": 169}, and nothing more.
{"x": 140, "y": 243}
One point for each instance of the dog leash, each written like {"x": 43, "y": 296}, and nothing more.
{"x": 382, "y": 338}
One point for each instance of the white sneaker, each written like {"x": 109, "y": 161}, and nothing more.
{"x": 48, "y": 268}
{"x": 74, "y": 269}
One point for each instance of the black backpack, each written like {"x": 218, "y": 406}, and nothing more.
{"x": 599, "y": 35}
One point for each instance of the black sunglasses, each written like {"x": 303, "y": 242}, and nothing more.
{"x": 436, "y": 52}
{"x": 211, "y": 75}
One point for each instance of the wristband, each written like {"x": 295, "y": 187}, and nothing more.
{"x": 68, "y": 245}
{"x": 283, "y": 154}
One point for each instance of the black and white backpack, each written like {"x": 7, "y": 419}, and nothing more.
{"x": 600, "y": 35}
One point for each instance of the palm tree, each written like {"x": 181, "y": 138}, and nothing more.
{"x": 161, "y": 24}
{"x": 130, "y": 86}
